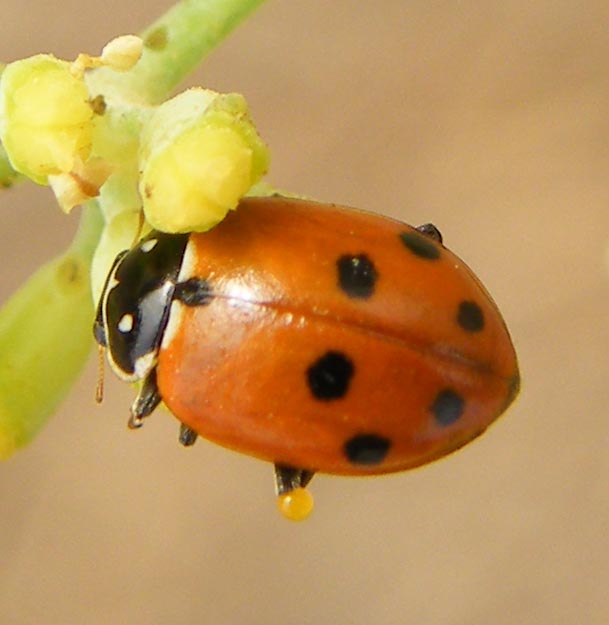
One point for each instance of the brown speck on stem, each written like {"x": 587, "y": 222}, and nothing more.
{"x": 156, "y": 39}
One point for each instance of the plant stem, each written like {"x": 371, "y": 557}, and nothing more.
{"x": 174, "y": 45}
{"x": 45, "y": 338}
{"x": 88, "y": 233}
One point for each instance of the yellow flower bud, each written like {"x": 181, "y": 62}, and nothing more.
{"x": 45, "y": 117}
{"x": 200, "y": 154}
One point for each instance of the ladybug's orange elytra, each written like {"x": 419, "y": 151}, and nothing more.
{"x": 313, "y": 336}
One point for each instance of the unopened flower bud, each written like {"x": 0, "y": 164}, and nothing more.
{"x": 45, "y": 117}
{"x": 200, "y": 154}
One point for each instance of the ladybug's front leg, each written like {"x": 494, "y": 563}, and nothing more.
{"x": 294, "y": 500}
{"x": 146, "y": 401}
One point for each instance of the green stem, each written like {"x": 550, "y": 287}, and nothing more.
{"x": 89, "y": 230}
{"x": 174, "y": 45}
{"x": 45, "y": 338}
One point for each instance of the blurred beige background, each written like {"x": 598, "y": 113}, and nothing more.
{"x": 490, "y": 119}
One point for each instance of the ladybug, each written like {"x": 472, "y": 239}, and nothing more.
{"x": 317, "y": 337}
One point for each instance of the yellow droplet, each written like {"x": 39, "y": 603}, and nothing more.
{"x": 296, "y": 505}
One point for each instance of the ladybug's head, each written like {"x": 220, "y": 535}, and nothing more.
{"x": 134, "y": 305}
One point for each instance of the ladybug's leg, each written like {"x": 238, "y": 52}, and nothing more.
{"x": 431, "y": 231}
{"x": 289, "y": 478}
{"x": 146, "y": 401}
{"x": 187, "y": 436}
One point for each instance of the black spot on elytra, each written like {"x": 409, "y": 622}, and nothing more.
{"x": 367, "y": 449}
{"x": 194, "y": 292}
{"x": 420, "y": 245}
{"x": 356, "y": 275}
{"x": 329, "y": 376}
{"x": 447, "y": 407}
{"x": 470, "y": 317}
{"x": 429, "y": 230}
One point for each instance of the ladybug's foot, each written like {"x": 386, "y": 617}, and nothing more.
{"x": 295, "y": 502}
{"x": 146, "y": 401}
{"x": 187, "y": 436}
{"x": 431, "y": 231}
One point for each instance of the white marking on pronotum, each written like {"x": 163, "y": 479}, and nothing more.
{"x": 112, "y": 284}
{"x": 149, "y": 245}
{"x": 126, "y": 323}
{"x": 144, "y": 364}
{"x": 173, "y": 323}
{"x": 189, "y": 262}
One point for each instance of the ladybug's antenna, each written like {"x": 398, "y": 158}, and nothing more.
{"x": 99, "y": 389}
